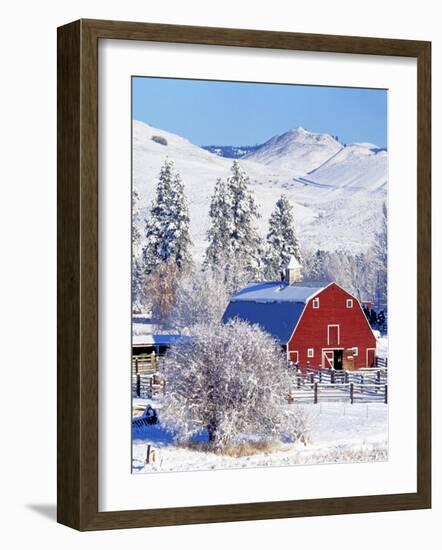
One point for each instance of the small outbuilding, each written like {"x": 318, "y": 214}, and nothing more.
{"x": 317, "y": 325}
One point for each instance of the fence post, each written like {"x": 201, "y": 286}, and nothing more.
{"x": 148, "y": 455}
{"x": 386, "y": 394}
{"x": 151, "y": 386}
{"x": 332, "y": 377}
{"x": 138, "y": 391}
{"x": 320, "y": 375}
{"x": 136, "y": 365}
{"x": 315, "y": 387}
{"x": 346, "y": 377}
{"x": 351, "y": 393}
{"x": 312, "y": 378}
{"x": 164, "y": 387}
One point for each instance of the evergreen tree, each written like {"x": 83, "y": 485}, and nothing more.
{"x": 137, "y": 270}
{"x": 219, "y": 249}
{"x": 167, "y": 228}
{"x": 234, "y": 243}
{"x": 316, "y": 270}
{"x": 245, "y": 241}
{"x": 282, "y": 243}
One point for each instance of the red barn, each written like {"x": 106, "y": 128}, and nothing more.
{"x": 317, "y": 325}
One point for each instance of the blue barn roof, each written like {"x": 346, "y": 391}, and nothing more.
{"x": 275, "y": 307}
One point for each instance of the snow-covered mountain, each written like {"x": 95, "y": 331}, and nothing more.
{"x": 337, "y": 191}
{"x": 297, "y": 150}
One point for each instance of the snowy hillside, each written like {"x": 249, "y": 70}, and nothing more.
{"x": 297, "y": 151}
{"x": 336, "y": 191}
{"x": 361, "y": 166}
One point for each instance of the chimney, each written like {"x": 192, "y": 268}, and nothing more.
{"x": 293, "y": 271}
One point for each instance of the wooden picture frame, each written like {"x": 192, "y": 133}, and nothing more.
{"x": 78, "y": 274}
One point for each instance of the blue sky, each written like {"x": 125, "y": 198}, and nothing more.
{"x": 237, "y": 113}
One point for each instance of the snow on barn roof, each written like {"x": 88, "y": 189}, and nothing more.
{"x": 275, "y": 292}
{"x": 275, "y": 307}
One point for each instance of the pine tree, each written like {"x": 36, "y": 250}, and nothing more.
{"x": 219, "y": 249}
{"x": 137, "y": 269}
{"x": 181, "y": 243}
{"x": 316, "y": 271}
{"x": 234, "y": 243}
{"x": 246, "y": 243}
{"x": 282, "y": 243}
{"x": 167, "y": 228}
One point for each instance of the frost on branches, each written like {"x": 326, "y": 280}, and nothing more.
{"x": 234, "y": 243}
{"x": 229, "y": 381}
{"x": 282, "y": 243}
{"x": 201, "y": 297}
{"x": 167, "y": 228}
{"x": 380, "y": 252}
{"x": 137, "y": 264}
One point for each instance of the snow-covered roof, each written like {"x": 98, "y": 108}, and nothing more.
{"x": 140, "y": 340}
{"x": 276, "y": 292}
{"x": 275, "y": 307}
{"x": 278, "y": 319}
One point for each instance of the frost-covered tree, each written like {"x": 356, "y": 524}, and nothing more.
{"x": 315, "y": 266}
{"x": 234, "y": 243}
{"x": 167, "y": 227}
{"x": 201, "y": 297}
{"x": 137, "y": 267}
{"x": 227, "y": 381}
{"x": 246, "y": 242}
{"x": 159, "y": 292}
{"x": 219, "y": 250}
{"x": 282, "y": 243}
{"x": 380, "y": 253}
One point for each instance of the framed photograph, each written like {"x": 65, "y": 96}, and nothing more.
{"x": 243, "y": 275}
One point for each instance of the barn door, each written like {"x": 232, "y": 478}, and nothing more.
{"x": 327, "y": 359}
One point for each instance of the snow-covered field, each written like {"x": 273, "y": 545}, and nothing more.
{"x": 336, "y": 191}
{"x": 339, "y": 433}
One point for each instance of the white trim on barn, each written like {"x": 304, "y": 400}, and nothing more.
{"x": 328, "y": 334}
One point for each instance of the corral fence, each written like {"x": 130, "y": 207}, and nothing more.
{"x": 348, "y": 392}
{"x": 147, "y": 385}
{"x": 314, "y": 386}
{"x": 146, "y": 363}
{"x": 361, "y": 385}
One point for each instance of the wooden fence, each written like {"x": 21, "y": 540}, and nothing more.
{"x": 350, "y": 392}
{"x": 317, "y": 385}
{"x": 145, "y": 363}
{"x": 359, "y": 376}
{"x": 147, "y": 385}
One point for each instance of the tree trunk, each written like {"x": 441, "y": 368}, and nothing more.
{"x": 211, "y": 430}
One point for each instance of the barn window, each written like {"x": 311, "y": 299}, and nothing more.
{"x": 310, "y": 352}
{"x": 315, "y": 303}
{"x": 349, "y": 303}
{"x": 355, "y": 352}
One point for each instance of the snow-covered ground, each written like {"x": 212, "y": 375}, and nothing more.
{"x": 336, "y": 191}
{"x": 339, "y": 433}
